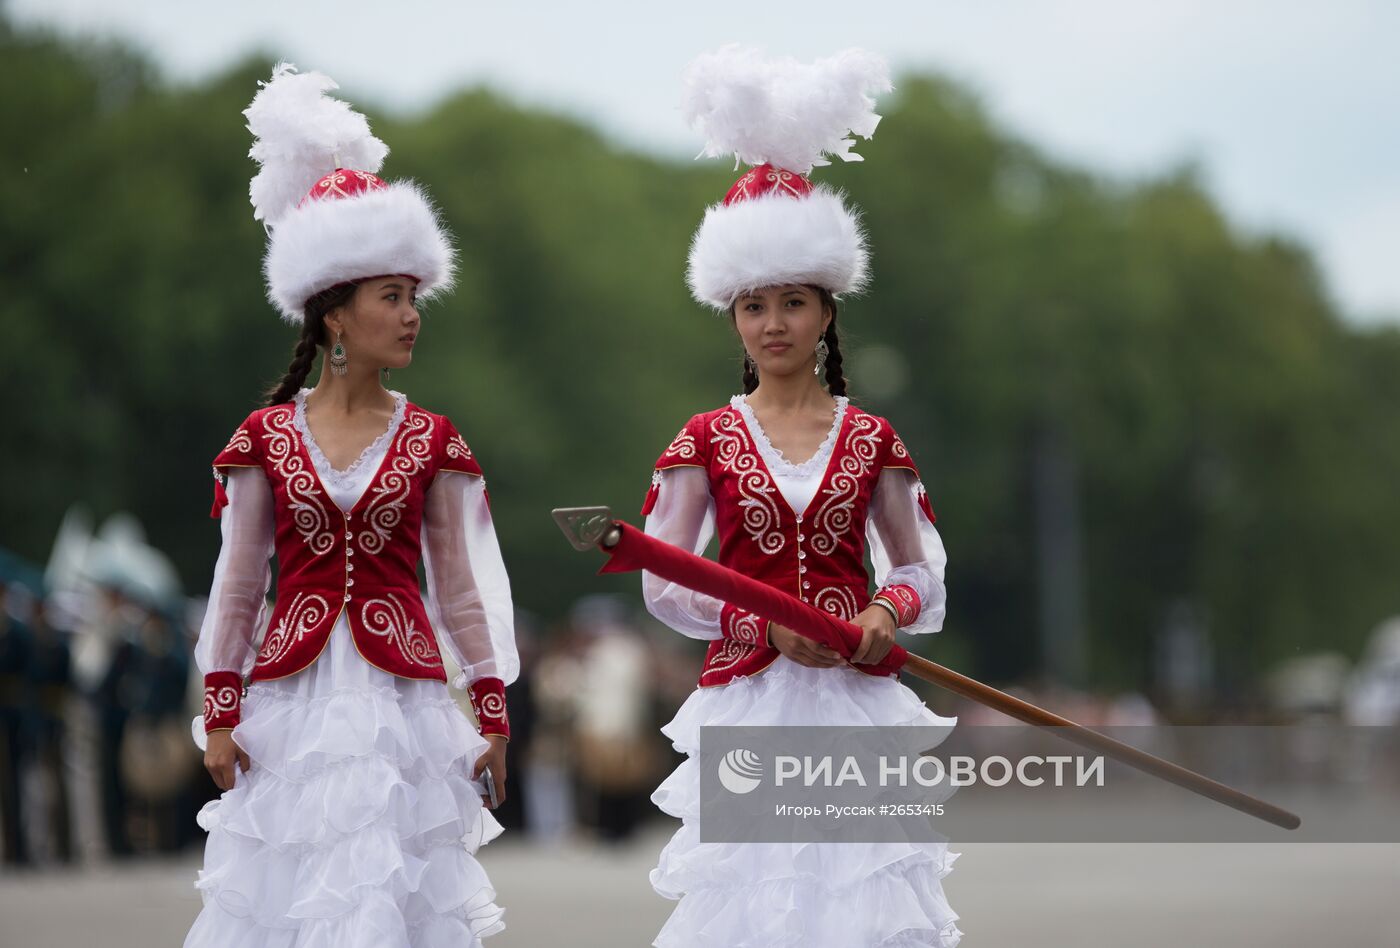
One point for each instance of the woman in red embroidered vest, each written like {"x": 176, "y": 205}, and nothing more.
{"x": 353, "y": 783}
{"x": 799, "y": 483}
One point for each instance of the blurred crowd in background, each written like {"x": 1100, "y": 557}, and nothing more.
{"x": 99, "y": 695}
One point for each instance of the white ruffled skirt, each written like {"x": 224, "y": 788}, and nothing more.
{"x": 834, "y": 895}
{"x": 356, "y": 825}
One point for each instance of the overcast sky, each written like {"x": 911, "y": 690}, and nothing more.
{"x": 1291, "y": 108}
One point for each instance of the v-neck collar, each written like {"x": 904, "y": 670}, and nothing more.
{"x": 308, "y": 442}
{"x": 342, "y": 476}
{"x": 826, "y": 470}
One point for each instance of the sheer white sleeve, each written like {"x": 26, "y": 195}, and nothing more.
{"x": 905, "y": 547}
{"x": 238, "y": 597}
{"x": 468, "y": 590}
{"x": 684, "y": 516}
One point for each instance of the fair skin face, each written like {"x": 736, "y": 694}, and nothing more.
{"x": 780, "y": 327}
{"x": 378, "y": 327}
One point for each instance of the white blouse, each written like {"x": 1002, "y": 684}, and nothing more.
{"x": 904, "y": 546}
{"x": 468, "y": 592}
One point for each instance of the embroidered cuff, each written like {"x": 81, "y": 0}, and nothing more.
{"x": 748, "y": 627}
{"x": 904, "y": 600}
{"x": 488, "y": 698}
{"x": 223, "y": 700}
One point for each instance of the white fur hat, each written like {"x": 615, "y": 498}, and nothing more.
{"x": 781, "y": 116}
{"x": 330, "y": 219}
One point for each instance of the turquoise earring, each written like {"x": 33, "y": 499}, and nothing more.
{"x": 340, "y": 362}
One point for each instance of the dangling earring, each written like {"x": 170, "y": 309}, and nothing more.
{"x": 340, "y": 362}
{"x": 823, "y": 350}
{"x": 385, "y": 372}
{"x": 750, "y": 366}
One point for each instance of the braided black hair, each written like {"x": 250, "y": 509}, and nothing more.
{"x": 750, "y": 375}
{"x": 313, "y": 334}
{"x": 835, "y": 380}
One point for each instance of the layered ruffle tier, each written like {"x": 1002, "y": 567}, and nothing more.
{"x": 841, "y": 895}
{"x": 357, "y": 824}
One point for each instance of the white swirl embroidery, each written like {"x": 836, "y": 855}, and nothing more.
{"x": 834, "y": 517}
{"x": 408, "y": 456}
{"x": 683, "y": 446}
{"x": 837, "y": 600}
{"x": 306, "y": 612}
{"x": 219, "y": 701}
{"x": 492, "y": 706}
{"x": 241, "y": 441}
{"x": 735, "y": 453}
{"x": 309, "y": 514}
{"x": 457, "y": 448}
{"x": 388, "y": 618}
{"x": 730, "y": 653}
{"x": 746, "y": 627}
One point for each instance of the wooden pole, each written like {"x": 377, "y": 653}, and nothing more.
{"x": 1010, "y": 705}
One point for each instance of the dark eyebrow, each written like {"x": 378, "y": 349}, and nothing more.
{"x": 793, "y": 292}
{"x": 391, "y": 286}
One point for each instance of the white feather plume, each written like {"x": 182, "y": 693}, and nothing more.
{"x": 300, "y": 135}
{"x": 780, "y": 111}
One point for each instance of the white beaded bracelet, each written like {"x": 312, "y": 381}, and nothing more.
{"x": 894, "y": 613}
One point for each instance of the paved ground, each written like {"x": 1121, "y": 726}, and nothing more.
{"x": 1041, "y": 895}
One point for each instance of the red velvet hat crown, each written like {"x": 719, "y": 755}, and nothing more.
{"x": 343, "y": 182}
{"x": 766, "y": 179}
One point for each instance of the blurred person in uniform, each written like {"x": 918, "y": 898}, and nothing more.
{"x": 50, "y": 678}
{"x": 99, "y": 646}
{"x": 16, "y": 643}
{"x": 102, "y": 660}
{"x": 1370, "y": 706}
{"x": 548, "y": 783}
{"x": 1372, "y": 690}
{"x": 617, "y": 752}
{"x": 157, "y": 759}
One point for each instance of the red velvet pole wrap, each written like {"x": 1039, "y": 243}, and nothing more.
{"x": 488, "y": 698}
{"x": 637, "y": 551}
{"x": 223, "y": 700}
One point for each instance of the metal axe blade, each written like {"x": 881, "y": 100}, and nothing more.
{"x": 585, "y": 527}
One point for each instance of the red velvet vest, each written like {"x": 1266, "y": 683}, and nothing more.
{"x": 817, "y": 554}
{"x": 362, "y": 562}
